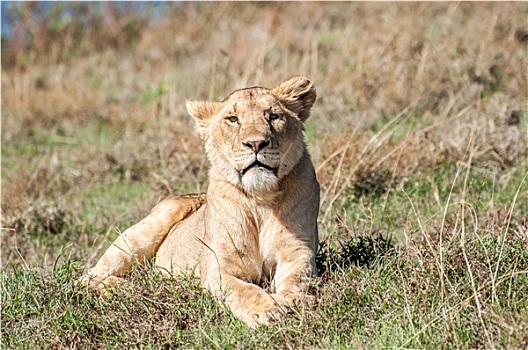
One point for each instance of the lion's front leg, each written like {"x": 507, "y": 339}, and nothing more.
{"x": 295, "y": 267}
{"x": 230, "y": 272}
{"x": 141, "y": 241}
{"x": 248, "y": 301}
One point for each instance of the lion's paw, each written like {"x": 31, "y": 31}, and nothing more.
{"x": 100, "y": 285}
{"x": 271, "y": 310}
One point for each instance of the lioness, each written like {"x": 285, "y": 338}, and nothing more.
{"x": 258, "y": 222}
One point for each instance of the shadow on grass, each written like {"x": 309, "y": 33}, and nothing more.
{"x": 351, "y": 251}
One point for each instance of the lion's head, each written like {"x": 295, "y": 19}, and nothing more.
{"x": 255, "y": 136}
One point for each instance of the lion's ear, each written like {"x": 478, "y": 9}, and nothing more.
{"x": 202, "y": 112}
{"x": 298, "y": 95}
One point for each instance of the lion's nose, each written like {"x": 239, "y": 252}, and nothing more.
{"x": 256, "y": 146}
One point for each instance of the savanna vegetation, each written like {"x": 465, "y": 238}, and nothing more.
{"x": 419, "y": 137}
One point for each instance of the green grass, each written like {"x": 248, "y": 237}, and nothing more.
{"x": 394, "y": 302}
{"x": 467, "y": 288}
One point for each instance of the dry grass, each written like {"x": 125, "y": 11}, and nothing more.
{"x": 419, "y": 134}
{"x": 425, "y": 74}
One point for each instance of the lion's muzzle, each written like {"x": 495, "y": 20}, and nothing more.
{"x": 256, "y": 146}
{"x": 257, "y": 164}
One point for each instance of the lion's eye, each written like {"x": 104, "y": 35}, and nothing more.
{"x": 232, "y": 120}
{"x": 274, "y": 116}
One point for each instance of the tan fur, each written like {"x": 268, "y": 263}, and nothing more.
{"x": 259, "y": 225}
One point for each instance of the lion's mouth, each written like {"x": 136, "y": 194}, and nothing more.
{"x": 257, "y": 164}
